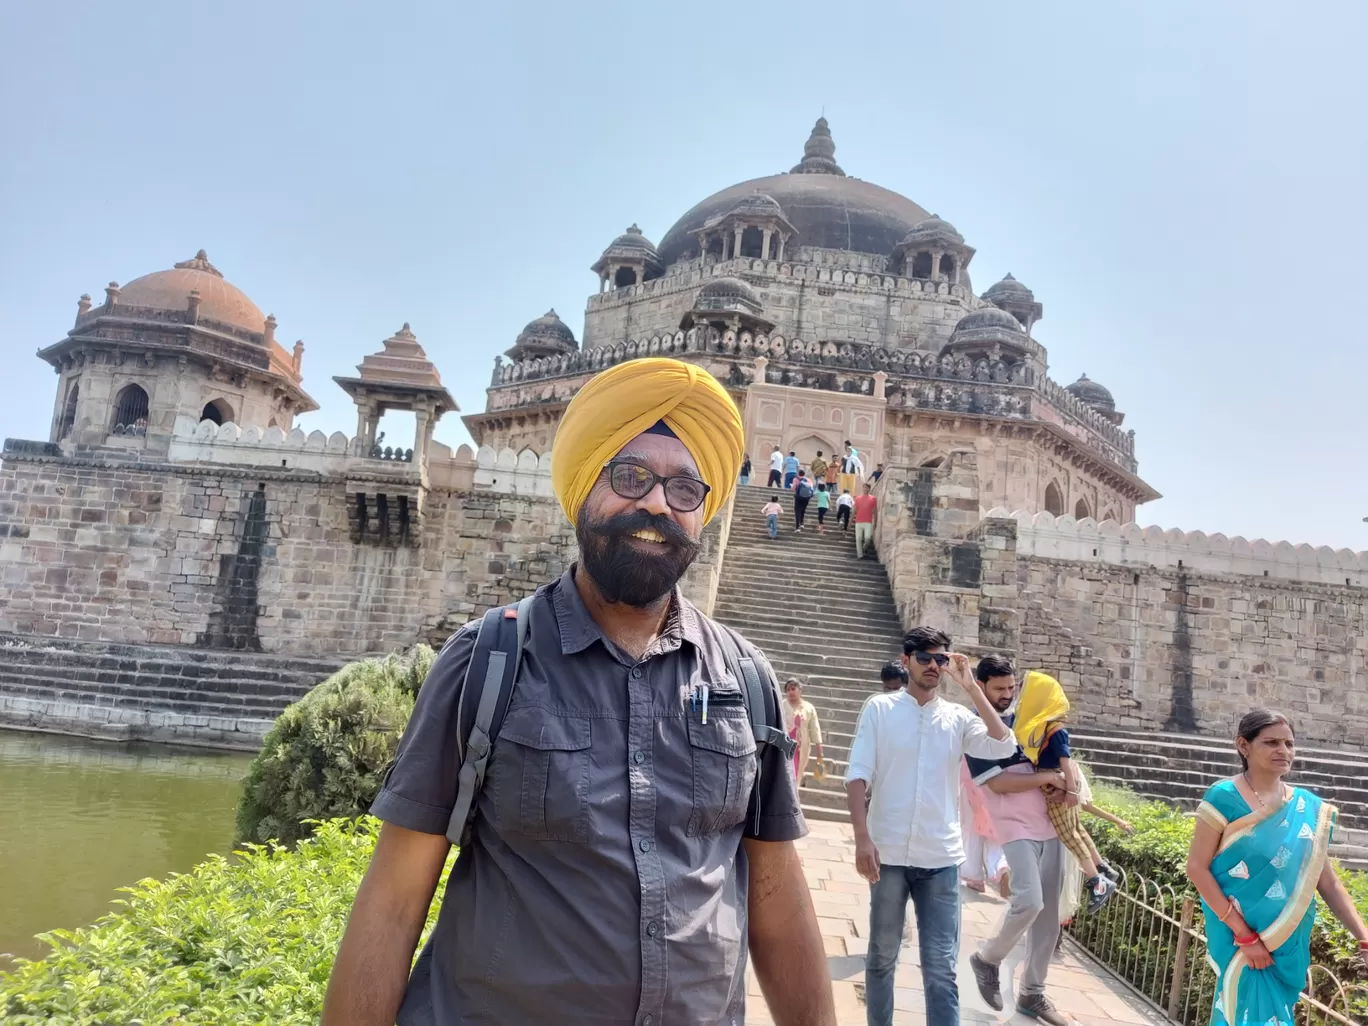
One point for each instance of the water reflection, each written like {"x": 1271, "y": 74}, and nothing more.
{"x": 79, "y": 819}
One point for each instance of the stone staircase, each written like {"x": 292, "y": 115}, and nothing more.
{"x": 818, "y": 614}
{"x": 149, "y": 692}
{"x": 1180, "y": 767}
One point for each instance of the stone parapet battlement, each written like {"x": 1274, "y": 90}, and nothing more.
{"x": 689, "y": 274}
{"x": 1087, "y": 541}
{"x": 496, "y": 470}
{"x": 860, "y": 361}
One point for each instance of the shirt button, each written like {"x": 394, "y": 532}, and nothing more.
{"x": 645, "y": 845}
{"x": 652, "y": 929}
{"x": 638, "y": 757}
{"x": 636, "y": 674}
{"x": 646, "y": 1020}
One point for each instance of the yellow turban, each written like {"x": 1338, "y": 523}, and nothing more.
{"x": 621, "y": 402}
{"x": 1043, "y": 706}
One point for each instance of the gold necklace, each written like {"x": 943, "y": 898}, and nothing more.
{"x": 1258, "y": 797}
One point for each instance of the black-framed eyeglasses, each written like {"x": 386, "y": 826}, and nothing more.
{"x": 683, "y": 494}
{"x": 926, "y": 658}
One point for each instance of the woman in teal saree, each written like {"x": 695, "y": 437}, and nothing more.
{"x": 1258, "y": 859}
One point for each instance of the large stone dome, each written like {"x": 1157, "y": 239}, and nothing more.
{"x": 828, "y": 208}
{"x": 220, "y": 300}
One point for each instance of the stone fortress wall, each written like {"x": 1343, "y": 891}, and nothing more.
{"x": 250, "y": 543}
{"x": 1147, "y": 629}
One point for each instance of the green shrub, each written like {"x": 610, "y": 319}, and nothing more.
{"x": 242, "y": 940}
{"x": 327, "y": 754}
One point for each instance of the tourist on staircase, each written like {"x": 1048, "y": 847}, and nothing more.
{"x": 772, "y": 511}
{"x": 866, "y": 508}
{"x": 1258, "y": 859}
{"x": 843, "y": 507}
{"x": 790, "y": 469}
{"x": 802, "y": 495}
{"x": 1014, "y": 793}
{"x": 745, "y": 470}
{"x": 634, "y": 838}
{"x": 907, "y": 751}
{"x": 823, "y": 504}
{"x": 776, "y": 472}
{"x": 833, "y": 474}
{"x": 852, "y": 468}
{"x": 800, "y": 723}
{"x": 818, "y": 468}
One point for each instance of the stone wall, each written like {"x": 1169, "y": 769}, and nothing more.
{"x": 252, "y": 558}
{"x": 1147, "y": 629}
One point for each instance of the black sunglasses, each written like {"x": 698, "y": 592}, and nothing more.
{"x": 925, "y": 658}
{"x": 683, "y": 494}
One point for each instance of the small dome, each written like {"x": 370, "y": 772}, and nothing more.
{"x": 933, "y": 229}
{"x": 631, "y": 242}
{"x": 546, "y": 336}
{"x": 1009, "y": 290}
{"x": 987, "y": 317}
{"x": 757, "y": 204}
{"x": 1090, "y": 392}
{"x": 722, "y": 291}
{"x": 220, "y": 300}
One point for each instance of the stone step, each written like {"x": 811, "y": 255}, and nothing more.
{"x": 763, "y": 602}
{"x": 163, "y": 698}
{"x": 23, "y": 646}
{"x": 146, "y": 703}
{"x": 115, "y": 680}
{"x": 1140, "y": 745}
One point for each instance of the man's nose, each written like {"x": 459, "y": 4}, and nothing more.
{"x": 654, "y": 501}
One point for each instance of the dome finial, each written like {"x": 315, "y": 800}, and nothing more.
{"x": 199, "y": 262}
{"x": 819, "y": 153}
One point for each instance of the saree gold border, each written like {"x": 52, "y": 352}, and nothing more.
{"x": 1230, "y": 986}
{"x": 1240, "y": 828}
{"x": 1291, "y": 916}
{"x": 1211, "y": 816}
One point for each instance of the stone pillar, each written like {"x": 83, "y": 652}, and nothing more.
{"x": 360, "y": 442}
{"x": 935, "y": 265}
{"x": 782, "y": 238}
{"x": 880, "y": 384}
{"x": 736, "y": 245}
{"x": 422, "y": 416}
{"x": 765, "y": 245}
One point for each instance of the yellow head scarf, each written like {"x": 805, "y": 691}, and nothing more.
{"x": 621, "y": 402}
{"x": 1043, "y": 704}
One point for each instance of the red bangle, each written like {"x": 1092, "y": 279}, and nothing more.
{"x": 1245, "y": 942}
{"x": 1363, "y": 945}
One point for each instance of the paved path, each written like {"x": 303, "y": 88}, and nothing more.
{"x": 842, "y": 899}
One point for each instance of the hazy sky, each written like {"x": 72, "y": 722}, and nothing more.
{"x": 1182, "y": 184}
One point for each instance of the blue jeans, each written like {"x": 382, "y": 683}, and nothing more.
{"x": 773, "y": 521}
{"x": 745, "y": 480}
{"x": 935, "y": 898}
{"x": 788, "y": 478}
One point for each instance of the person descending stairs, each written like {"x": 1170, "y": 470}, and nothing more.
{"x": 818, "y": 614}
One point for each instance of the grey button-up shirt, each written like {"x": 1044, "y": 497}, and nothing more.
{"x": 606, "y": 881}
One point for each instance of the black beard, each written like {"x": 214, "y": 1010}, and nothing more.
{"x": 624, "y": 572}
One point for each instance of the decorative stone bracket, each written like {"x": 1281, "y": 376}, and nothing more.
{"x": 385, "y": 513}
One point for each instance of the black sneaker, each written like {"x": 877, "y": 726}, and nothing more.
{"x": 1042, "y": 1009}
{"x": 1111, "y": 871}
{"x": 1100, "y": 890}
{"x": 986, "y": 976}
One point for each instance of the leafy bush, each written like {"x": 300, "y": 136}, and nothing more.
{"x": 242, "y": 940}
{"x": 327, "y": 754}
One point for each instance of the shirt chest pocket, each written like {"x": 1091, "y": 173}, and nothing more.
{"x": 724, "y": 768}
{"x": 539, "y": 775}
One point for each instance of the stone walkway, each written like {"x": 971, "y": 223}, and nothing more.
{"x": 1076, "y": 985}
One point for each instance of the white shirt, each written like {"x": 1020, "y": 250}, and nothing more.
{"x": 909, "y": 756}
{"x": 846, "y": 499}
{"x": 776, "y": 460}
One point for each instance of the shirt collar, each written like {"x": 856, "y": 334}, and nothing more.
{"x": 579, "y": 629}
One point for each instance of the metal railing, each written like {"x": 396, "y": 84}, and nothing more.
{"x": 1148, "y": 935}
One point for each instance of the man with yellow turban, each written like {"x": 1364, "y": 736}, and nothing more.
{"x": 631, "y": 840}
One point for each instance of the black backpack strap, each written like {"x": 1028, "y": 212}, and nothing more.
{"x": 762, "y": 704}
{"x": 491, "y": 676}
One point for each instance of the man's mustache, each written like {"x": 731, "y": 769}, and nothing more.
{"x": 624, "y": 524}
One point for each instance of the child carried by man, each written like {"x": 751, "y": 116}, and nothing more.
{"x": 1039, "y": 728}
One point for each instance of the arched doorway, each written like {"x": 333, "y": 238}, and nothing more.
{"x": 130, "y": 411}
{"x": 1081, "y": 511}
{"x": 218, "y": 411}
{"x": 1054, "y": 500}
{"x": 68, "y": 421}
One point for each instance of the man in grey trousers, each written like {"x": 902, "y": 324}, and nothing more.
{"x": 1014, "y": 792}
